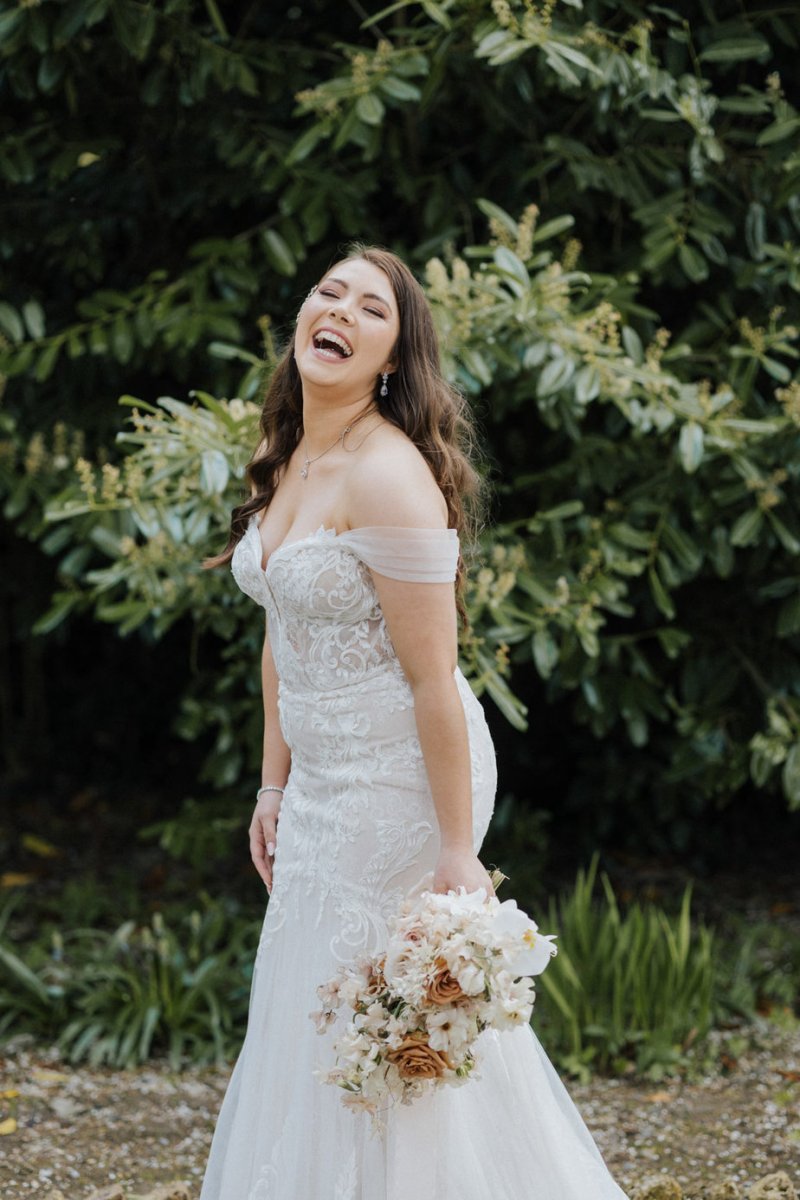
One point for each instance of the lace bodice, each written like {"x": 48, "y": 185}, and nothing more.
{"x": 358, "y": 788}
{"x": 325, "y": 624}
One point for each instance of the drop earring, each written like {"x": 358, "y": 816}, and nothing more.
{"x": 384, "y": 385}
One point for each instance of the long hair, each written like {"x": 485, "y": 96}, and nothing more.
{"x": 420, "y": 402}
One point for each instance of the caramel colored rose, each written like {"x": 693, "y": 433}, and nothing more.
{"x": 415, "y": 1059}
{"x": 444, "y": 988}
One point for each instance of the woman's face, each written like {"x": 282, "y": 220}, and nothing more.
{"x": 347, "y": 329}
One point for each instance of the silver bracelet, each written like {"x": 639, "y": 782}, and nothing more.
{"x": 269, "y": 787}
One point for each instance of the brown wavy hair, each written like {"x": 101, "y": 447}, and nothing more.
{"x": 420, "y": 402}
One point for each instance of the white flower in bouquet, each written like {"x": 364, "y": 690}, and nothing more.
{"x": 322, "y": 1018}
{"x": 374, "y": 1020}
{"x": 471, "y": 977}
{"x": 526, "y": 951}
{"x": 452, "y": 1030}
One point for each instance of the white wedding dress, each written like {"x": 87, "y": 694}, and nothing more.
{"x": 357, "y": 830}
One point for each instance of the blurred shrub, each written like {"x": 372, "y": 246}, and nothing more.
{"x": 619, "y": 595}
{"x": 758, "y": 969}
{"x": 626, "y": 990}
{"x": 626, "y": 325}
{"x": 633, "y": 991}
{"x": 120, "y": 998}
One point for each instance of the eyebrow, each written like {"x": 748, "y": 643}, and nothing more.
{"x": 366, "y": 295}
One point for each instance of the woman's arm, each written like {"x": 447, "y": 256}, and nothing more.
{"x": 421, "y": 620}
{"x": 275, "y": 762}
{"x": 422, "y": 623}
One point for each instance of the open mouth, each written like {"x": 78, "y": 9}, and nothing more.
{"x": 332, "y": 345}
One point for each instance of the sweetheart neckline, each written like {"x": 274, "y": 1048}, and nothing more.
{"x": 288, "y": 545}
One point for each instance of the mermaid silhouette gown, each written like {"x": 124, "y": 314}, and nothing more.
{"x": 357, "y": 831}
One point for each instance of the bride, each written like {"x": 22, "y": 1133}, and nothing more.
{"x": 378, "y": 771}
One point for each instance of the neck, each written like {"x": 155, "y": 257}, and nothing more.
{"x": 324, "y": 418}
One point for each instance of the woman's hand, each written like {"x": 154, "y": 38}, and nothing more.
{"x": 264, "y": 835}
{"x": 460, "y": 868}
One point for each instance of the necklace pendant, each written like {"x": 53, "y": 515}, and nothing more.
{"x": 304, "y": 471}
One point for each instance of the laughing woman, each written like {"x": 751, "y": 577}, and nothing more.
{"x": 378, "y": 769}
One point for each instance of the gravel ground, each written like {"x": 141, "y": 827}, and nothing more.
{"x": 82, "y": 1129}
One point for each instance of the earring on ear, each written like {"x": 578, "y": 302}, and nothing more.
{"x": 384, "y": 385}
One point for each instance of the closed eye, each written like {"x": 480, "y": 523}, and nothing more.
{"x": 376, "y": 312}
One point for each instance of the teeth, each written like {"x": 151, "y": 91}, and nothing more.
{"x": 328, "y": 336}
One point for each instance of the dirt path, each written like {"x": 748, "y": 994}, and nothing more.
{"x": 80, "y": 1129}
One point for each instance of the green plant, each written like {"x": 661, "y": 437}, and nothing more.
{"x": 31, "y": 988}
{"x": 626, "y": 990}
{"x": 613, "y": 259}
{"x": 198, "y": 834}
{"x": 758, "y": 969}
{"x": 629, "y": 991}
{"x": 154, "y": 989}
{"x": 119, "y": 998}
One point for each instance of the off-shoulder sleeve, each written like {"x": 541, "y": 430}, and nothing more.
{"x": 413, "y": 555}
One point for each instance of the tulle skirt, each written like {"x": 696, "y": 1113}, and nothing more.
{"x": 513, "y": 1133}
{"x": 357, "y": 833}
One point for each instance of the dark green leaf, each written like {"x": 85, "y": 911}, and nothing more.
{"x": 692, "y": 262}
{"x": 370, "y": 108}
{"x": 34, "y": 318}
{"x": 788, "y": 623}
{"x": 736, "y": 49}
{"x": 747, "y": 528}
{"x": 660, "y": 594}
{"x": 778, "y": 131}
{"x": 545, "y": 653}
{"x": 690, "y": 446}
{"x": 399, "y": 89}
{"x": 47, "y": 360}
{"x": 278, "y": 253}
{"x": 51, "y": 69}
{"x": 11, "y": 322}
{"x": 791, "y": 776}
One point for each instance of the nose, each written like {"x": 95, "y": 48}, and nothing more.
{"x": 339, "y": 309}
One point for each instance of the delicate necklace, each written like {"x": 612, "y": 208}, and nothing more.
{"x": 308, "y": 461}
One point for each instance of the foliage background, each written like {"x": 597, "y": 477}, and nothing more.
{"x": 603, "y": 202}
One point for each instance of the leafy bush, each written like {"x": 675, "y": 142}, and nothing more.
{"x": 758, "y": 970}
{"x": 29, "y": 1000}
{"x": 632, "y": 989}
{"x": 617, "y": 595}
{"x": 119, "y": 998}
{"x": 626, "y": 324}
{"x": 628, "y": 991}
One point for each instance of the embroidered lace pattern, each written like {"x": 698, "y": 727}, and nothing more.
{"x": 356, "y": 815}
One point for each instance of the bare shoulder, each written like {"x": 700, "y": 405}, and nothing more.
{"x": 390, "y": 483}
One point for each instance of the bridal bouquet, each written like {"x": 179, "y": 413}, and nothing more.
{"x": 454, "y": 965}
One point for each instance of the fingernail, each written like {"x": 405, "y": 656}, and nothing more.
{"x": 270, "y": 847}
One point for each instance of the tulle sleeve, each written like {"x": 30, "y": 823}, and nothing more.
{"x": 413, "y": 555}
